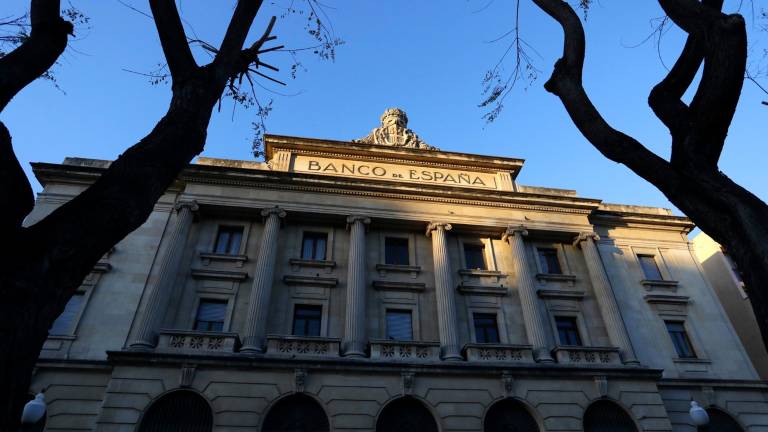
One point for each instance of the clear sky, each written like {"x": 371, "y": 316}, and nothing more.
{"x": 427, "y": 57}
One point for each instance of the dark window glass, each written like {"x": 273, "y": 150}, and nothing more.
{"x": 210, "y": 315}
{"x": 486, "y": 330}
{"x": 405, "y": 415}
{"x": 178, "y": 411}
{"x": 680, "y": 339}
{"x": 306, "y": 320}
{"x": 296, "y": 413}
{"x": 396, "y": 251}
{"x": 650, "y": 268}
{"x": 313, "y": 246}
{"x": 228, "y": 240}
{"x": 399, "y": 326}
{"x": 474, "y": 254}
{"x": 606, "y": 416}
{"x": 509, "y": 415}
{"x": 549, "y": 262}
{"x": 64, "y": 323}
{"x": 568, "y": 331}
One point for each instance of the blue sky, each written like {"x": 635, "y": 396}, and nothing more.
{"x": 427, "y": 57}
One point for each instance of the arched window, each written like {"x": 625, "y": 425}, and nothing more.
{"x": 509, "y": 415}
{"x": 720, "y": 422}
{"x": 178, "y": 411}
{"x": 405, "y": 415}
{"x": 296, "y": 413}
{"x": 606, "y": 416}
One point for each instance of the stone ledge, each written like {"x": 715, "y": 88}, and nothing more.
{"x": 666, "y": 298}
{"x": 393, "y": 350}
{"x": 588, "y": 356}
{"x": 303, "y": 346}
{"x": 554, "y": 277}
{"x": 197, "y": 342}
{"x": 310, "y": 280}
{"x": 218, "y": 274}
{"x": 649, "y": 284}
{"x": 399, "y": 286}
{"x": 383, "y": 269}
{"x": 207, "y": 258}
{"x": 561, "y": 294}
{"x": 325, "y": 264}
{"x": 478, "y": 289}
{"x": 482, "y": 273}
{"x": 499, "y": 353}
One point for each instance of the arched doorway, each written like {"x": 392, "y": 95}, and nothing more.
{"x": 178, "y": 411}
{"x": 296, "y": 413}
{"x": 509, "y": 415}
{"x": 606, "y": 416}
{"x": 719, "y": 421}
{"x": 405, "y": 415}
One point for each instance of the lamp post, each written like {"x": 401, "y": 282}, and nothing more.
{"x": 33, "y": 416}
{"x": 698, "y": 414}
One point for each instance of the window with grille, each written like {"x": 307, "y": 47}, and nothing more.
{"x": 396, "y": 251}
{"x": 228, "y": 240}
{"x": 474, "y": 256}
{"x": 486, "y": 329}
{"x": 64, "y": 324}
{"x": 210, "y": 315}
{"x": 549, "y": 262}
{"x": 313, "y": 246}
{"x": 568, "y": 331}
{"x": 307, "y": 319}
{"x": 649, "y": 266}
{"x": 679, "y": 336}
{"x": 399, "y": 324}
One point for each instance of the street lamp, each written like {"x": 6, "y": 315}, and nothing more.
{"x": 698, "y": 414}
{"x": 33, "y": 413}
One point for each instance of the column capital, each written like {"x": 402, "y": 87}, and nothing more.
{"x": 351, "y": 219}
{"x": 513, "y": 230}
{"x": 191, "y": 205}
{"x": 436, "y": 226}
{"x": 273, "y": 211}
{"x": 584, "y": 236}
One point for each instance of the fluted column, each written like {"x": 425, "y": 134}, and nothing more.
{"x": 535, "y": 320}
{"x": 609, "y": 309}
{"x": 261, "y": 289}
{"x": 355, "y": 341}
{"x": 444, "y": 290}
{"x": 160, "y": 293}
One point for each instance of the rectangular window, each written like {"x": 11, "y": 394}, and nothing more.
{"x": 568, "y": 331}
{"x": 306, "y": 320}
{"x": 228, "y": 240}
{"x": 549, "y": 262}
{"x": 650, "y": 268}
{"x": 676, "y": 330}
{"x": 486, "y": 330}
{"x": 474, "y": 255}
{"x": 65, "y": 322}
{"x": 210, "y": 315}
{"x": 313, "y": 246}
{"x": 396, "y": 251}
{"x": 399, "y": 325}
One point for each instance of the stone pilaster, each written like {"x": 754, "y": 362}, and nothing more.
{"x": 535, "y": 320}
{"x": 445, "y": 292}
{"x": 261, "y": 289}
{"x": 354, "y": 342}
{"x": 160, "y": 293}
{"x": 609, "y": 309}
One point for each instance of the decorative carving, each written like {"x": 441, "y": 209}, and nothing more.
{"x": 351, "y": 220}
{"x": 583, "y": 236}
{"x": 394, "y": 132}
{"x": 601, "y": 385}
{"x": 178, "y": 341}
{"x": 187, "y": 375}
{"x": 305, "y": 346}
{"x": 215, "y": 343}
{"x": 300, "y": 380}
{"x": 708, "y": 395}
{"x": 408, "y": 379}
{"x": 512, "y": 230}
{"x": 191, "y": 205}
{"x": 437, "y": 225}
{"x": 508, "y": 383}
{"x": 273, "y": 211}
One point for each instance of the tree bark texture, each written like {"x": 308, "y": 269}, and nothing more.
{"x": 730, "y": 214}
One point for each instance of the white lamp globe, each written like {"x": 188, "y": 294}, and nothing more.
{"x": 34, "y": 410}
{"x": 698, "y": 414}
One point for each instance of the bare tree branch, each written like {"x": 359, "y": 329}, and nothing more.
{"x": 16, "y": 198}
{"x": 241, "y": 22}
{"x": 36, "y": 54}
{"x": 172, "y": 38}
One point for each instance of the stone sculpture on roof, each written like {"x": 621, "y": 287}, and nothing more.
{"x": 394, "y": 132}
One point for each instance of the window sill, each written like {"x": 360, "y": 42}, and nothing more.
{"x": 556, "y": 277}
{"x": 653, "y": 283}
{"x": 481, "y": 273}
{"x": 561, "y": 294}
{"x": 478, "y": 289}
{"x": 311, "y": 280}
{"x": 399, "y": 268}
{"x": 298, "y": 263}
{"x": 207, "y": 258}
{"x": 399, "y": 286}
{"x": 62, "y": 337}
{"x": 692, "y": 360}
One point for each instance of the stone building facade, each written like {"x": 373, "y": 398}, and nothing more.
{"x": 383, "y": 284}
